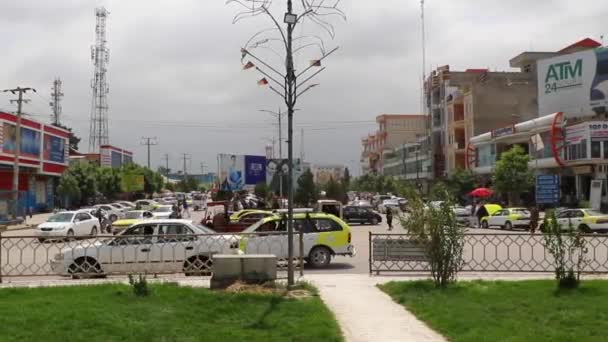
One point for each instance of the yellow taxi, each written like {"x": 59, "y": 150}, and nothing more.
{"x": 586, "y": 220}
{"x": 131, "y": 217}
{"x": 250, "y": 214}
{"x": 324, "y": 236}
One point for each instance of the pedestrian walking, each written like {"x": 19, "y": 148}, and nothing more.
{"x": 389, "y": 218}
{"x": 534, "y": 216}
{"x": 186, "y": 211}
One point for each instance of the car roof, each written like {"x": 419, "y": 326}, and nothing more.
{"x": 137, "y": 211}
{"x": 71, "y": 212}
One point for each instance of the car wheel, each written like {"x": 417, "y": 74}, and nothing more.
{"x": 584, "y": 228}
{"x": 484, "y": 225}
{"x": 374, "y": 221}
{"x": 113, "y": 217}
{"x": 94, "y": 231}
{"x": 70, "y": 235}
{"x": 198, "y": 265}
{"x": 84, "y": 267}
{"x": 508, "y": 226}
{"x": 319, "y": 257}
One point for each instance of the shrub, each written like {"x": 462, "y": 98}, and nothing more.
{"x": 568, "y": 248}
{"x": 439, "y": 232}
{"x": 140, "y": 285}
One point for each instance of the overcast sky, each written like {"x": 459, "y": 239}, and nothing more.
{"x": 175, "y": 69}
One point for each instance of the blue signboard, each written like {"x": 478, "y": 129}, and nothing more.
{"x": 54, "y": 149}
{"x": 255, "y": 170}
{"x": 547, "y": 189}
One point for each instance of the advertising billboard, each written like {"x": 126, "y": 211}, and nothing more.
{"x": 54, "y": 149}
{"x": 232, "y": 172}
{"x": 277, "y": 174}
{"x": 255, "y": 169}
{"x": 576, "y": 84}
{"x": 30, "y": 141}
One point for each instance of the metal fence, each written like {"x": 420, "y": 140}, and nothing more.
{"x": 26, "y": 256}
{"x": 501, "y": 252}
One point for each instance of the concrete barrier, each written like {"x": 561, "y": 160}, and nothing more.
{"x": 247, "y": 268}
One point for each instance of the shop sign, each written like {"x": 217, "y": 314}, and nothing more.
{"x": 503, "y": 131}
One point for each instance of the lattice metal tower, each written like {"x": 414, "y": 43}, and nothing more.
{"x": 100, "y": 55}
{"x": 56, "y": 95}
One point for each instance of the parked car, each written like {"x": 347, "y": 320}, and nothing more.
{"x": 324, "y": 236}
{"x": 127, "y": 204}
{"x": 112, "y": 212}
{"x": 508, "y": 218}
{"x": 156, "y": 246}
{"x": 68, "y": 224}
{"x": 162, "y": 211}
{"x": 362, "y": 215}
{"x": 131, "y": 217}
{"x": 586, "y": 220}
{"x": 392, "y": 203}
{"x": 146, "y": 204}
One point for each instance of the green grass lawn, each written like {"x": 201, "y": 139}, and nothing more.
{"x": 509, "y": 310}
{"x": 170, "y": 313}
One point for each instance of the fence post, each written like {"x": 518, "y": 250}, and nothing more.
{"x": 301, "y": 238}
{"x": 1, "y": 229}
{"x": 370, "y": 252}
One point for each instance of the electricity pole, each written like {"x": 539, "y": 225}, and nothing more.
{"x": 185, "y": 158}
{"x": 166, "y": 159}
{"x": 203, "y": 166}
{"x": 278, "y": 115}
{"x": 19, "y": 102}
{"x": 149, "y": 141}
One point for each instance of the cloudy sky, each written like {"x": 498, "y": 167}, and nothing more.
{"x": 175, "y": 67}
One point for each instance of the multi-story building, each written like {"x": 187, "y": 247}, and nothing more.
{"x": 410, "y": 162}
{"x": 462, "y": 104}
{"x": 393, "y": 131}
{"x": 323, "y": 173}
{"x": 569, "y": 137}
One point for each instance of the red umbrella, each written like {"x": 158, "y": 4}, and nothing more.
{"x": 481, "y": 192}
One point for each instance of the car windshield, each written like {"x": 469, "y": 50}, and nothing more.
{"x": 255, "y": 226}
{"x": 133, "y": 215}
{"x": 162, "y": 209}
{"x": 61, "y": 217}
{"x": 593, "y": 213}
{"x": 116, "y": 206}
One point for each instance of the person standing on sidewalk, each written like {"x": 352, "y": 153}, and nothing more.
{"x": 186, "y": 211}
{"x": 534, "y": 216}
{"x": 389, "y": 218}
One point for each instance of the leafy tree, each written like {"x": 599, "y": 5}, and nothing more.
{"x": 73, "y": 139}
{"x": 69, "y": 189}
{"x": 511, "y": 174}
{"x": 85, "y": 175}
{"x": 306, "y": 193}
{"x": 163, "y": 170}
{"x": 462, "y": 181}
{"x": 261, "y": 190}
{"x": 188, "y": 184}
{"x": 335, "y": 190}
{"x": 109, "y": 181}
{"x": 170, "y": 186}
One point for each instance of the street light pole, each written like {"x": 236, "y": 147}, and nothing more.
{"x": 290, "y": 102}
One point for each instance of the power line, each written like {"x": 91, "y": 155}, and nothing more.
{"x": 149, "y": 141}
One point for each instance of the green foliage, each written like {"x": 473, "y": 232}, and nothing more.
{"x": 139, "y": 285}
{"x": 109, "y": 181}
{"x": 85, "y": 175}
{"x": 222, "y": 195}
{"x": 568, "y": 248}
{"x": 261, "y": 190}
{"x": 306, "y": 192}
{"x": 73, "y": 139}
{"x": 462, "y": 181}
{"x": 68, "y": 187}
{"x": 346, "y": 178}
{"x": 170, "y": 186}
{"x": 438, "y": 231}
{"x": 511, "y": 174}
{"x": 188, "y": 184}
{"x": 335, "y": 190}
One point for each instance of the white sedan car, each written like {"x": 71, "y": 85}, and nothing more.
{"x": 162, "y": 212}
{"x": 157, "y": 246}
{"x": 112, "y": 212}
{"x": 68, "y": 224}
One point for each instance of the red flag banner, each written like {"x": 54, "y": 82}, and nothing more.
{"x": 263, "y": 81}
{"x": 248, "y": 65}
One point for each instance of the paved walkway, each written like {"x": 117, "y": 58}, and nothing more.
{"x": 367, "y": 314}
{"x": 30, "y": 222}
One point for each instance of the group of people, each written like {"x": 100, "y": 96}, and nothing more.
{"x": 180, "y": 209}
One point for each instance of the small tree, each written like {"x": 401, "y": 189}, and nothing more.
{"x": 261, "y": 190}
{"x": 109, "y": 181}
{"x": 511, "y": 175}
{"x": 438, "y": 231}
{"x": 306, "y": 193}
{"x": 346, "y": 178}
{"x": 69, "y": 189}
{"x": 568, "y": 248}
{"x": 335, "y": 190}
{"x": 461, "y": 182}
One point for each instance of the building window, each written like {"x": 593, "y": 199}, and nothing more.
{"x": 596, "y": 149}
{"x": 606, "y": 150}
